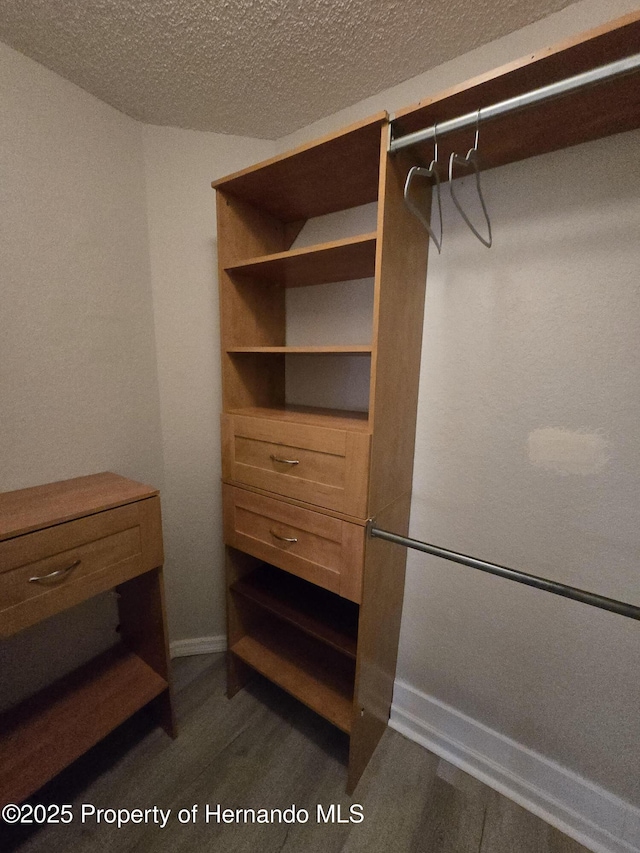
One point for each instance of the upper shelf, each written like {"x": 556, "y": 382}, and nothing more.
{"x": 604, "y": 109}
{"x": 340, "y": 260}
{"x": 336, "y": 172}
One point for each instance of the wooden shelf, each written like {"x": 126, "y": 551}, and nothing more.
{"x": 330, "y": 418}
{"x": 339, "y": 260}
{"x": 304, "y": 668}
{"x": 337, "y": 172}
{"x": 333, "y": 350}
{"x": 602, "y": 110}
{"x": 316, "y": 612}
{"x": 44, "y": 734}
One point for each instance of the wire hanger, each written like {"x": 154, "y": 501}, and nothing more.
{"x": 431, "y": 172}
{"x": 471, "y": 160}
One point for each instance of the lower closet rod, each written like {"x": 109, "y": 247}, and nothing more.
{"x": 592, "y": 598}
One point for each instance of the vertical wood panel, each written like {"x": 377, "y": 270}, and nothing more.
{"x": 380, "y": 614}
{"x": 401, "y": 271}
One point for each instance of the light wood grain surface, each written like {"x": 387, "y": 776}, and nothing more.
{"x": 28, "y": 509}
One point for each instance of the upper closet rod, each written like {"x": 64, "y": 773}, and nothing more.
{"x": 519, "y": 102}
{"x": 582, "y": 595}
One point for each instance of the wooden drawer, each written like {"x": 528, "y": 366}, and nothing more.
{"x": 91, "y": 554}
{"x": 321, "y": 549}
{"x": 325, "y": 467}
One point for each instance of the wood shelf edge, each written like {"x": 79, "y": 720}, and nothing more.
{"x": 356, "y": 349}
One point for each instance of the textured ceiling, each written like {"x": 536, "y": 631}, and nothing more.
{"x": 260, "y": 68}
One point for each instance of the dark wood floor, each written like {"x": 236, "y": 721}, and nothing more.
{"x": 263, "y": 750}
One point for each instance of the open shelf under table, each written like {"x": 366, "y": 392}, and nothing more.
{"x": 47, "y": 732}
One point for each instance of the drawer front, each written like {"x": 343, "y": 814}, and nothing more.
{"x": 44, "y": 572}
{"x": 325, "y": 467}
{"x": 321, "y": 549}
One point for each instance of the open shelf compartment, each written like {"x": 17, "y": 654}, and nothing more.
{"x": 320, "y": 678}
{"x": 47, "y": 732}
{"x": 314, "y": 611}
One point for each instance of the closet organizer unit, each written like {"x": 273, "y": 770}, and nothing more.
{"x": 312, "y": 604}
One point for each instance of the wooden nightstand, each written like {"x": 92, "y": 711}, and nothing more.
{"x": 61, "y": 544}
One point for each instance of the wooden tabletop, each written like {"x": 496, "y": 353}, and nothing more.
{"x": 43, "y": 506}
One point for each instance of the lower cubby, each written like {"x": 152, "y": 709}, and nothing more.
{"x": 301, "y": 637}
{"x": 45, "y": 733}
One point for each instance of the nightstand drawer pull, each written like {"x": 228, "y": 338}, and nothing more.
{"x": 284, "y": 538}
{"x": 53, "y": 575}
{"x": 284, "y": 461}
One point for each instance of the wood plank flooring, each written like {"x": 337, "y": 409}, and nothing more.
{"x": 264, "y": 750}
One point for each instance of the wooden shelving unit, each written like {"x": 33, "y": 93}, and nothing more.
{"x": 291, "y": 473}
{"x": 79, "y": 538}
{"x": 300, "y": 482}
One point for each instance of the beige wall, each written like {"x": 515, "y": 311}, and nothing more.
{"x": 179, "y": 168}
{"x": 527, "y": 456}
{"x": 79, "y": 388}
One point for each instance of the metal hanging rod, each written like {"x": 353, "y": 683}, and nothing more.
{"x": 620, "y": 607}
{"x": 519, "y": 102}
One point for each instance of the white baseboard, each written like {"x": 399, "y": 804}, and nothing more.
{"x": 581, "y": 809}
{"x": 198, "y": 646}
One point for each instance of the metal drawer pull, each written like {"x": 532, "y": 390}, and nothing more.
{"x": 52, "y": 575}
{"x": 284, "y": 461}
{"x": 291, "y": 539}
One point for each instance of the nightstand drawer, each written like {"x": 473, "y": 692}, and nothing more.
{"x": 319, "y": 548}
{"x": 47, "y": 571}
{"x": 325, "y": 467}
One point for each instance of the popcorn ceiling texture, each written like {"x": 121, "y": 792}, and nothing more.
{"x": 261, "y": 68}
